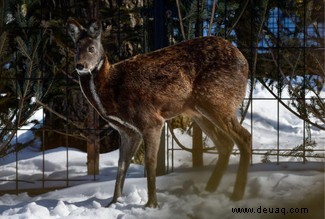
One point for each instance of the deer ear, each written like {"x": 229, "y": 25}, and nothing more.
{"x": 95, "y": 29}
{"x": 74, "y": 29}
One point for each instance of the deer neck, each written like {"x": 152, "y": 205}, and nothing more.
{"x": 93, "y": 87}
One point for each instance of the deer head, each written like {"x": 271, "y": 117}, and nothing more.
{"x": 89, "y": 51}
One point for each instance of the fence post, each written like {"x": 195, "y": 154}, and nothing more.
{"x": 197, "y": 150}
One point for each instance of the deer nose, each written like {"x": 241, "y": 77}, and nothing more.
{"x": 80, "y": 66}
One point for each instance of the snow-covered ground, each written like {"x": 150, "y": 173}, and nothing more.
{"x": 287, "y": 190}
{"x": 181, "y": 194}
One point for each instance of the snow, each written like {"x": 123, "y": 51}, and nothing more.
{"x": 180, "y": 193}
{"x": 276, "y": 188}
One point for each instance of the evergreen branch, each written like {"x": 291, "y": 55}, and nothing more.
{"x": 30, "y": 71}
{"x": 4, "y": 146}
{"x": 22, "y": 47}
{"x": 3, "y": 39}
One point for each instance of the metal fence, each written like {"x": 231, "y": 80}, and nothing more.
{"x": 288, "y": 42}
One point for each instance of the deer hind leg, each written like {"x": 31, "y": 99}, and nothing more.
{"x": 243, "y": 140}
{"x": 230, "y": 126}
{"x": 151, "y": 138}
{"x": 130, "y": 141}
{"x": 224, "y": 145}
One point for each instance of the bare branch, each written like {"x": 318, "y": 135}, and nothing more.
{"x": 240, "y": 15}
{"x": 79, "y": 126}
{"x": 205, "y": 150}
{"x": 176, "y": 139}
{"x": 288, "y": 108}
{"x": 180, "y": 19}
{"x": 212, "y": 16}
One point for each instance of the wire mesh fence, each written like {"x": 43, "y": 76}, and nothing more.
{"x": 42, "y": 107}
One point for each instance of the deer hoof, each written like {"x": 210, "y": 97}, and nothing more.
{"x": 236, "y": 197}
{"x": 112, "y": 202}
{"x": 151, "y": 204}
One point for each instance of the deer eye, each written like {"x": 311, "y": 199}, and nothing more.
{"x": 91, "y": 49}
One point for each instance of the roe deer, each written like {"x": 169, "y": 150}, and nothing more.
{"x": 204, "y": 78}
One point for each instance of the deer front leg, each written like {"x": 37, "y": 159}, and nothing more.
{"x": 130, "y": 141}
{"x": 151, "y": 139}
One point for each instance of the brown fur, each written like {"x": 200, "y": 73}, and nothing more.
{"x": 204, "y": 78}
